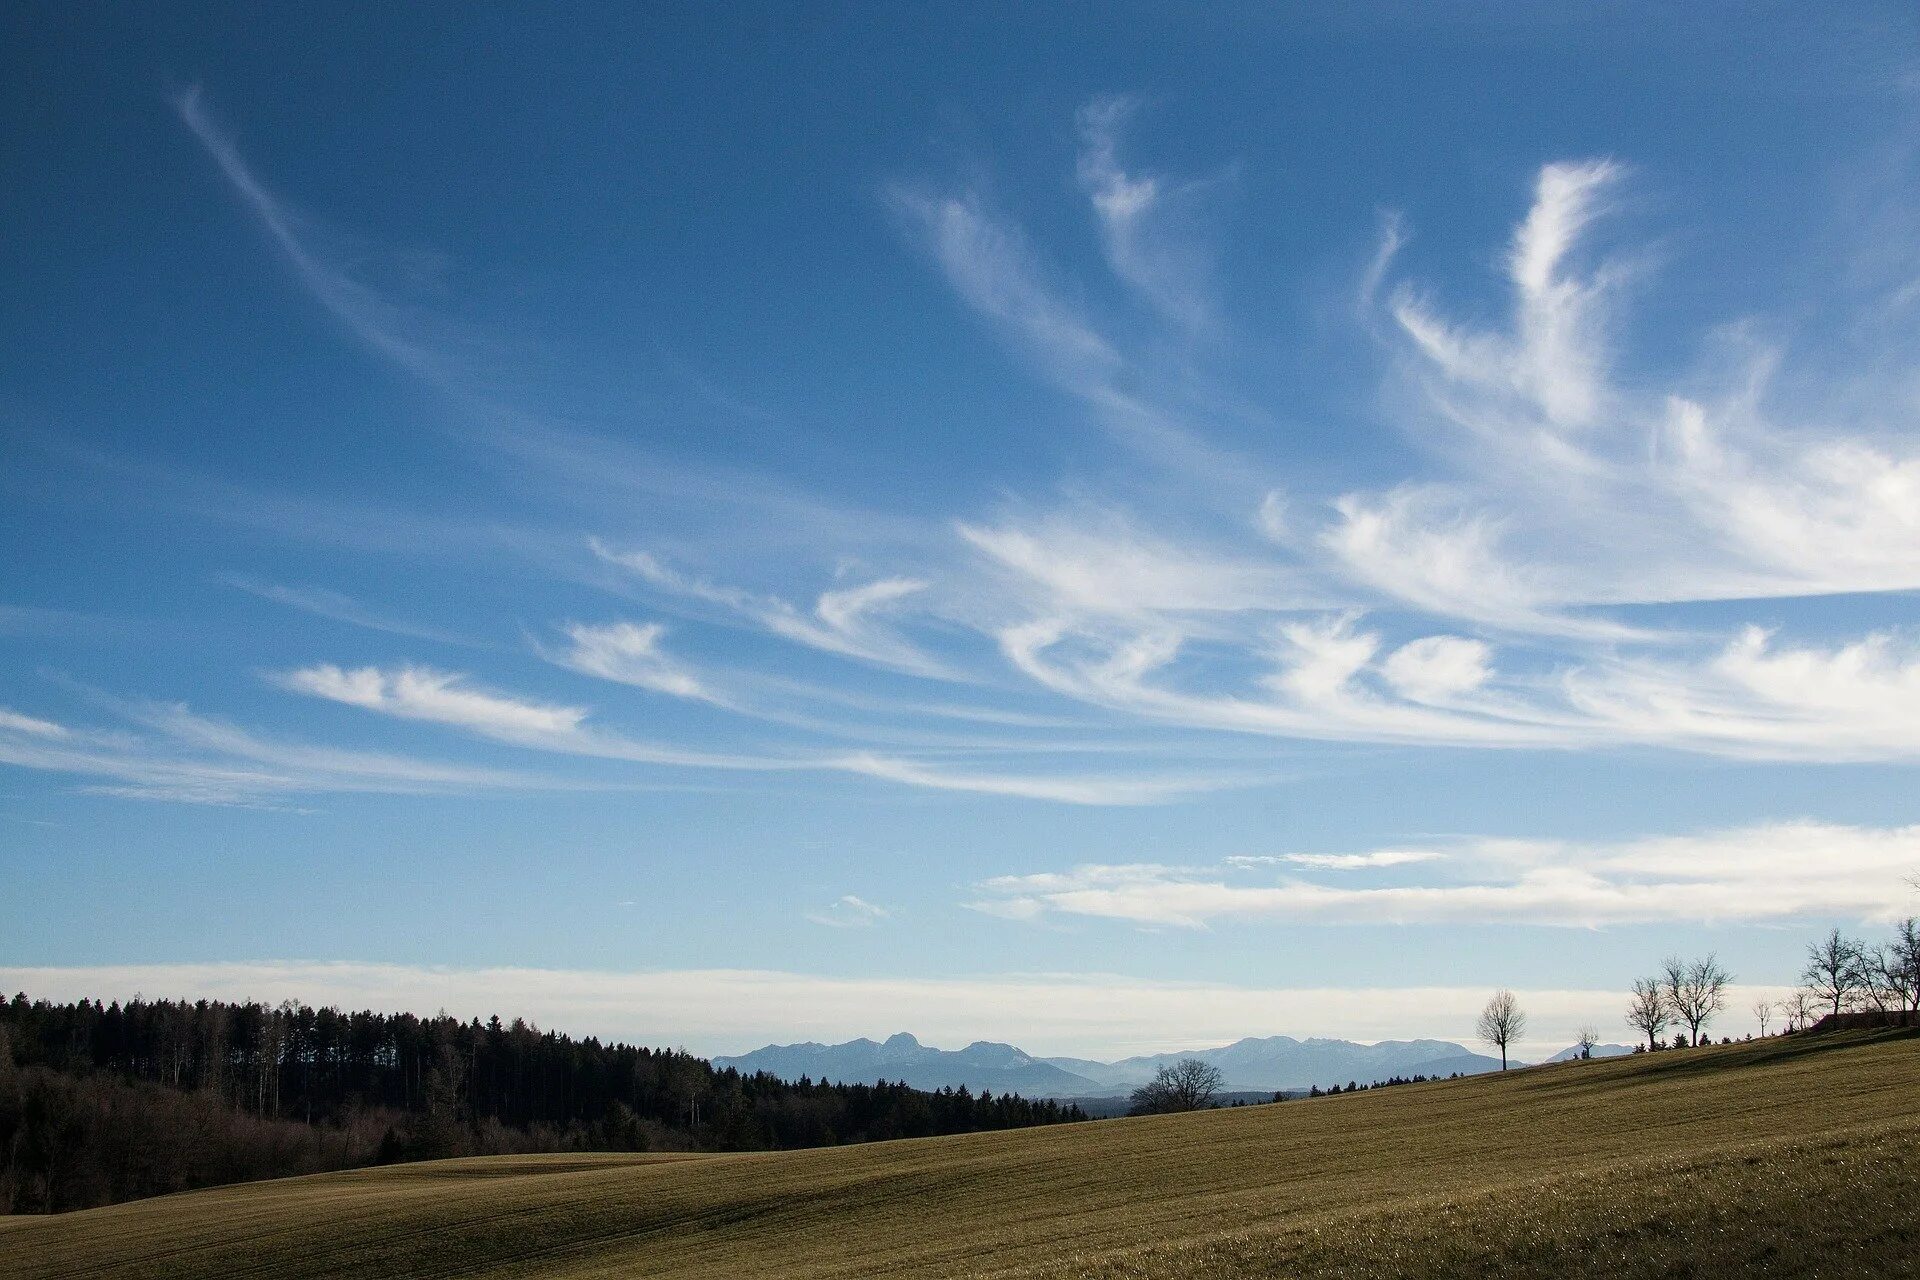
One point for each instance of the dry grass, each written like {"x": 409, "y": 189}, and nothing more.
{"x": 1795, "y": 1156}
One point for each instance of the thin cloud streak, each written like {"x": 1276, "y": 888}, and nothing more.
{"x": 193, "y": 759}
{"x": 334, "y": 606}
{"x": 364, "y": 312}
{"x": 446, "y": 698}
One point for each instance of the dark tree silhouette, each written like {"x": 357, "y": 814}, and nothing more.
{"x": 1835, "y": 970}
{"x": 1648, "y": 1013}
{"x": 1187, "y": 1085}
{"x": 1695, "y": 991}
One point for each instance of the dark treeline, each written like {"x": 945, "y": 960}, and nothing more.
{"x": 107, "y": 1102}
{"x": 1354, "y": 1086}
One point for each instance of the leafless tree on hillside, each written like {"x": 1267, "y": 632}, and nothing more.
{"x": 1589, "y": 1037}
{"x": 1695, "y": 991}
{"x": 1763, "y": 1011}
{"x": 1502, "y": 1022}
{"x": 1187, "y": 1085}
{"x": 1880, "y": 981}
{"x": 1797, "y": 1008}
{"x": 1835, "y": 971}
{"x": 1904, "y": 963}
{"x": 1648, "y": 1013}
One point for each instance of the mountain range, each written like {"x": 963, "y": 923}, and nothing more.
{"x": 1256, "y": 1064}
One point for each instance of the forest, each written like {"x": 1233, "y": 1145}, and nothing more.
{"x": 101, "y": 1103}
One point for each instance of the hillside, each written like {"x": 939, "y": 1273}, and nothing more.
{"x": 104, "y": 1102}
{"x": 1783, "y": 1156}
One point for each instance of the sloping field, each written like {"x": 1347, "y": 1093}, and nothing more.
{"x": 1795, "y": 1156}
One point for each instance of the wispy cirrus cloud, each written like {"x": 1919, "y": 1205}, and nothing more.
{"x": 463, "y": 364}
{"x": 992, "y": 267}
{"x": 1553, "y": 359}
{"x": 1558, "y": 488}
{"x": 448, "y": 698}
{"x": 368, "y": 313}
{"x": 333, "y": 605}
{"x": 844, "y": 620}
{"x": 631, "y": 653}
{"x": 990, "y": 264}
{"x": 420, "y": 693}
{"x": 174, "y": 754}
{"x": 1094, "y": 563}
{"x": 1772, "y": 872}
{"x": 1146, "y": 222}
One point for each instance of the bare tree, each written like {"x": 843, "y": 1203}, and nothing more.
{"x": 1797, "y": 1008}
{"x": 1695, "y": 991}
{"x": 1904, "y": 963}
{"x": 1647, "y": 1013}
{"x": 1589, "y": 1037}
{"x": 1502, "y": 1022}
{"x": 1880, "y": 982}
{"x": 1187, "y": 1085}
{"x": 1763, "y": 1011}
{"x": 1835, "y": 971}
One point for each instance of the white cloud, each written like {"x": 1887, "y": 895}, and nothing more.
{"x": 1100, "y": 564}
{"x": 1094, "y": 790}
{"x": 1626, "y": 492}
{"x": 14, "y": 722}
{"x": 1437, "y": 668}
{"x": 1553, "y": 360}
{"x": 1773, "y": 872}
{"x": 630, "y": 653}
{"x": 1422, "y": 545}
{"x": 421, "y": 693}
{"x": 849, "y": 911}
{"x": 1859, "y": 700}
{"x": 1339, "y": 861}
{"x": 1319, "y": 684}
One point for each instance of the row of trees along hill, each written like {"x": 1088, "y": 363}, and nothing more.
{"x": 101, "y": 1103}
{"x": 1843, "y": 976}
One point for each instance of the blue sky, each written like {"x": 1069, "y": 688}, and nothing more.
{"x": 1103, "y": 529}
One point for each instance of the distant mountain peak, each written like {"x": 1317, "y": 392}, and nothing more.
{"x": 983, "y": 1065}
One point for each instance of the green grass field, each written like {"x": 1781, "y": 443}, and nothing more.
{"x": 1795, "y": 1156}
